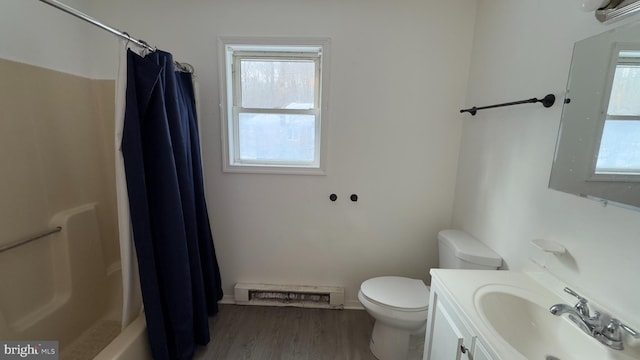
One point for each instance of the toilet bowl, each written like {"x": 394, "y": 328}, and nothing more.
{"x": 400, "y": 305}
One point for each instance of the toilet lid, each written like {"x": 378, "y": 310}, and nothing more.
{"x": 397, "y": 292}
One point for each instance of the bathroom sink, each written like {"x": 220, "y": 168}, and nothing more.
{"x": 521, "y": 318}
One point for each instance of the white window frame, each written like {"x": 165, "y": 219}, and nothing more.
{"x": 306, "y": 48}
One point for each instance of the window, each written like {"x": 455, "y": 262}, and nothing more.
{"x": 619, "y": 152}
{"x": 274, "y": 117}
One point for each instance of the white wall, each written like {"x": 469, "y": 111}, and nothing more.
{"x": 35, "y": 33}
{"x": 399, "y": 73}
{"x": 522, "y": 49}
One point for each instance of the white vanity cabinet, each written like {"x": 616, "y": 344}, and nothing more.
{"x": 448, "y": 335}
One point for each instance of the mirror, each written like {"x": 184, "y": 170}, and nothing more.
{"x": 598, "y": 149}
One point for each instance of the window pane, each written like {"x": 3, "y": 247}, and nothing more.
{"x": 619, "y": 147}
{"x": 277, "y": 84}
{"x": 625, "y": 91}
{"x": 277, "y": 137}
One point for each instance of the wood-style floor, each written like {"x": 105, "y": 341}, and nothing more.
{"x": 279, "y": 333}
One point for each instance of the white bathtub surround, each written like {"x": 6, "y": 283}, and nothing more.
{"x": 67, "y": 286}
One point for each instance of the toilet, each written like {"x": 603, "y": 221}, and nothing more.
{"x": 400, "y": 305}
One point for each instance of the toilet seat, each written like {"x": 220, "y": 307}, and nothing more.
{"x": 397, "y": 293}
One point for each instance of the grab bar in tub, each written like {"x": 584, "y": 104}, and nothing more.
{"x": 14, "y": 244}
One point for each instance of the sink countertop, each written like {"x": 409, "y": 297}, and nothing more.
{"x": 462, "y": 287}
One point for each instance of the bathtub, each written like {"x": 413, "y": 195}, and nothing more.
{"x": 131, "y": 344}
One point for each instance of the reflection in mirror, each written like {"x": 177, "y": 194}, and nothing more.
{"x": 619, "y": 152}
{"x": 598, "y": 149}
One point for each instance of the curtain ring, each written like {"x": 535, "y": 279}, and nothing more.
{"x": 186, "y": 67}
{"x": 128, "y": 39}
{"x": 148, "y": 47}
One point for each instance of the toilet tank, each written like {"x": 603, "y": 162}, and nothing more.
{"x": 459, "y": 250}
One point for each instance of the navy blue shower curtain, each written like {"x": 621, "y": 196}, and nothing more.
{"x": 179, "y": 273}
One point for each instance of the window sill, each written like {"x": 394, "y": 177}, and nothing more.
{"x": 274, "y": 170}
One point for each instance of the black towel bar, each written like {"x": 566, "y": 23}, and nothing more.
{"x": 547, "y": 101}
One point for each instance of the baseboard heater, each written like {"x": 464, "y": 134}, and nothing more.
{"x": 323, "y": 297}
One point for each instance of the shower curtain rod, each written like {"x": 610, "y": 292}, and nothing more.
{"x": 80, "y": 15}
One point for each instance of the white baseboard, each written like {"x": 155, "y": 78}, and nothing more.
{"x": 227, "y": 299}
{"x": 353, "y": 305}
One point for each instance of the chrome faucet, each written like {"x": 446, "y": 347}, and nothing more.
{"x": 579, "y": 313}
{"x": 610, "y": 335}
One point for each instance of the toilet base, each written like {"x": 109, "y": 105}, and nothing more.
{"x": 389, "y": 343}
